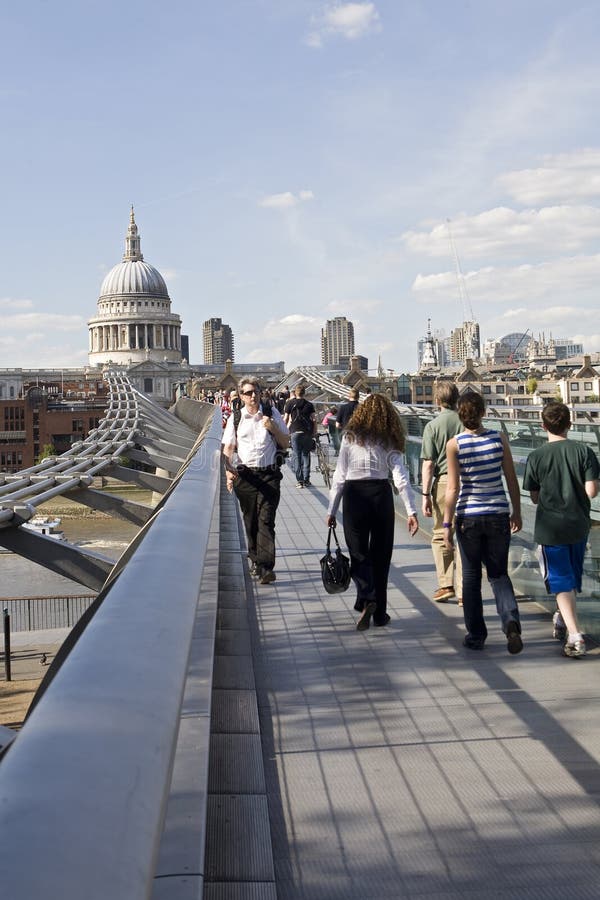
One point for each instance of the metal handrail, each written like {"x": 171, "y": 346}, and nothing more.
{"x": 85, "y": 784}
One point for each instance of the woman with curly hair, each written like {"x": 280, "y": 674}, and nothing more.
{"x": 371, "y": 447}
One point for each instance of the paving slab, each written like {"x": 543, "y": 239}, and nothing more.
{"x": 400, "y": 764}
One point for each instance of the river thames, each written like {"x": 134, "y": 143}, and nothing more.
{"x": 20, "y": 578}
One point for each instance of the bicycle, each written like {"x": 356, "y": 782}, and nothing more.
{"x": 322, "y": 461}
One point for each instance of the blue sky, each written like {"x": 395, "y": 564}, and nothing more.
{"x": 294, "y": 160}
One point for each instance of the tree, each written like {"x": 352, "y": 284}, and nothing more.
{"x": 47, "y": 450}
{"x": 531, "y": 385}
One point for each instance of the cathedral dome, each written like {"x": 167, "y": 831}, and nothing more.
{"x": 134, "y": 276}
{"x": 134, "y": 322}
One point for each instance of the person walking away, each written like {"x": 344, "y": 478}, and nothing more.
{"x": 477, "y": 459}
{"x": 254, "y": 435}
{"x": 282, "y": 398}
{"x": 562, "y": 478}
{"x": 434, "y": 471}
{"x": 300, "y": 419}
{"x": 346, "y": 410}
{"x": 329, "y": 422}
{"x": 371, "y": 446}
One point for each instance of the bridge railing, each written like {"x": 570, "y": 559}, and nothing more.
{"x": 84, "y": 786}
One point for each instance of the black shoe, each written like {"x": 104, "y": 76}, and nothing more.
{"x": 365, "y": 620}
{"x": 307, "y": 484}
{"x": 267, "y": 577}
{"x": 381, "y": 624}
{"x": 473, "y": 643}
{"x": 514, "y": 644}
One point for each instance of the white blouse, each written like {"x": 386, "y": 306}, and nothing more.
{"x": 362, "y": 462}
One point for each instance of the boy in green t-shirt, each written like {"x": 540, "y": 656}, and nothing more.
{"x": 561, "y": 477}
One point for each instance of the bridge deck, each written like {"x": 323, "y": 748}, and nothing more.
{"x": 398, "y": 763}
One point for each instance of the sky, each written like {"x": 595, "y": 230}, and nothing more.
{"x": 294, "y": 160}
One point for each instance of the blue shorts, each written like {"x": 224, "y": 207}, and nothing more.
{"x": 562, "y": 566}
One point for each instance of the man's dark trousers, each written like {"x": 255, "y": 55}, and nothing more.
{"x": 258, "y": 491}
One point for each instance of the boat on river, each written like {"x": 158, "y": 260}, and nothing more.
{"x": 46, "y": 525}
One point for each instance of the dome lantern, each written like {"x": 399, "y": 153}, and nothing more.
{"x": 132, "y": 241}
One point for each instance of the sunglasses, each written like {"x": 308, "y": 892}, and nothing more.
{"x": 249, "y": 393}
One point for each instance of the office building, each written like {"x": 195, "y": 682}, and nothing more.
{"x": 217, "y": 340}
{"x": 337, "y": 340}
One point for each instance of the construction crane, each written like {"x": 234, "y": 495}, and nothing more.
{"x": 470, "y": 327}
{"x": 460, "y": 278}
{"x": 511, "y": 355}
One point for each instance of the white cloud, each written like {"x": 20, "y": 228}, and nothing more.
{"x": 504, "y": 231}
{"x": 11, "y": 303}
{"x": 562, "y": 278}
{"x": 295, "y": 320}
{"x": 347, "y": 20}
{"x": 44, "y": 321}
{"x": 286, "y": 200}
{"x": 555, "y": 320}
{"x": 564, "y": 177}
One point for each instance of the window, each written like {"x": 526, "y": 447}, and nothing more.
{"x": 588, "y": 386}
{"x": 148, "y": 385}
{"x": 486, "y": 389}
{"x": 77, "y": 426}
{"x": 500, "y": 389}
{"x": 574, "y": 385}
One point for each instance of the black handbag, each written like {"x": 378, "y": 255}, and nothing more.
{"x": 335, "y": 568}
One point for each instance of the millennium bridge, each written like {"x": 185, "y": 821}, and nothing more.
{"x": 202, "y": 736}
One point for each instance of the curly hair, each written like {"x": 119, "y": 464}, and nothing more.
{"x": 377, "y": 422}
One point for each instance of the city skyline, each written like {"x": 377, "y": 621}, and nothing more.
{"x": 290, "y": 162}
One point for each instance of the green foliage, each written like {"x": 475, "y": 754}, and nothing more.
{"x": 531, "y": 385}
{"x": 47, "y": 451}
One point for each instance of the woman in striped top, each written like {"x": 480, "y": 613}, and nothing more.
{"x": 477, "y": 460}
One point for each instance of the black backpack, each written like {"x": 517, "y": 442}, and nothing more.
{"x": 280, "y": 454}
{"x": 299, "y": 417}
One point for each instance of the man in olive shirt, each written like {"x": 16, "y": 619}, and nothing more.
{"x": 561, "y": 477}
{"x": 434, "y": 471}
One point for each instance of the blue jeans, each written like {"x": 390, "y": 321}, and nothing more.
{"x": 485, "y": 539}
{"x": 301, "y": 456}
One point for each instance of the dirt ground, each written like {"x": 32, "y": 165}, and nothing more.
{"x": 27, "y": 669}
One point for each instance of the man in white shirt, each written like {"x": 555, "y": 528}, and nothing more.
{"x": 255, "y": 434}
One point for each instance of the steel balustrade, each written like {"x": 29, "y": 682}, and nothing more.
{"x": 132, "y": 426}
{"x": 84, "y": 786}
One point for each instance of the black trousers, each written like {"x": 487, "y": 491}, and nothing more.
{"x": 369, "y": 532}
{"x": 258, "y": 491}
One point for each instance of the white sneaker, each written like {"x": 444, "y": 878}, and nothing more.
{"x": 575, "y": 648}
{"x": 559, "y": 629}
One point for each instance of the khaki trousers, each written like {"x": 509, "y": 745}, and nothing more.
{"x": 447, "y": 562}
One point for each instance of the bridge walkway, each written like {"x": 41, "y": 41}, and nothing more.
{"x": 399, "y": 764}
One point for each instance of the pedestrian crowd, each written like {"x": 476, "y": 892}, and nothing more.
{"x": 469, "y": 490}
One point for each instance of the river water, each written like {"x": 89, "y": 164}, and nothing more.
{"x": 104, "y": 535}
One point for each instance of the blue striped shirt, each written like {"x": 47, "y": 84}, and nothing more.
{"x": 481, "y": 487}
